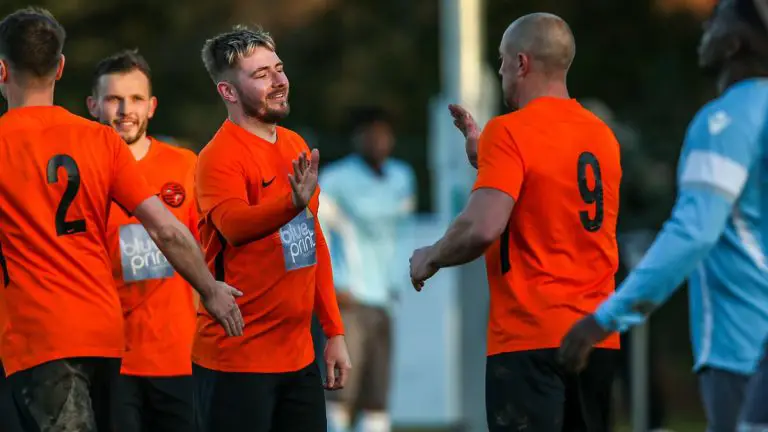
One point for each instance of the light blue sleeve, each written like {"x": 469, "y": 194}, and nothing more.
{"x": 713, "y": 170}
{"x": 329, "y": 218}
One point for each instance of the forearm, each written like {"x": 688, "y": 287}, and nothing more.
{"x": 471, "y": 147}
{"x": 181, "y": 249}
{"x": 240, "y": 223}
{"x": 459, "y": 245}
{"x": 685, "y": 240}
{"x": 326, "y": 305}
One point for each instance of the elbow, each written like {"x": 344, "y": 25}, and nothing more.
{"x": 483, "y": 235}
{"x": 232, "y": 239}
{"x": 167, "y": 234}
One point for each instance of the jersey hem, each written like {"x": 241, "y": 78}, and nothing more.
{"x": 221, "y": 366}
{"x": 13, "y": 365}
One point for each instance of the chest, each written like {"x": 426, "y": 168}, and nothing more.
{"x": 268, "y": 170}
{"x": 370, "y": 195}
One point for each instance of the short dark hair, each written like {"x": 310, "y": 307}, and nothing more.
{"x": 119, "y": 63}
{"x": 361, "y": 117}
{"x": 31, "y": 41}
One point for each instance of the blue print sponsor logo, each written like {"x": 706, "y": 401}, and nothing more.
{"x": 298, "y": 239}
{"x": 140, "y": 257}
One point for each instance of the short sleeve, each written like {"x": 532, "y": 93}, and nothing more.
{"x": 128, "y": 187}
{"x": 718, "y": 153}
{"x": 219, "y": 177}
{"x": 499, "y": 162}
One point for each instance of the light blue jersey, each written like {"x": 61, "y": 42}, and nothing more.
{"x": 362, "y": 214}
{"x": 713, "y": 237}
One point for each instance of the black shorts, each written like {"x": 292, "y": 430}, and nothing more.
{"x": 529, "y": 390}
{"x": 9, "y": 417}
{"x": 259, "y": 402}
{"x": 74, "y": 394}
{"x": 161, "y": 404}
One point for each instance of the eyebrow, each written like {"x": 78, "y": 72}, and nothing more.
{"x": 263, "y": 68}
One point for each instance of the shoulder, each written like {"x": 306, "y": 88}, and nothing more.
{"x": 221, "y": 147}
{"x": 400, "y": 168}
{"x": 740, "y": 110}
{"x": 176, "y": 155}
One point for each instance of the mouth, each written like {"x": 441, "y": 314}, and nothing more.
{"x": 125, "y": 124}
{"x": 278, "y": 96}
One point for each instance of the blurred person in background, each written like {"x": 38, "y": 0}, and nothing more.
{"x": 257, "y": 190}
{"x": 155, "y": 385}
{"x": 543, "y": 210}
{"x": 713, "y": 235}
{"x": 366, "y": 198}
{"x": 65, "y": 337}
{"x": 639, "y": 194}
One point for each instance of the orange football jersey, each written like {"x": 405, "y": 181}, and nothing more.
{"x": 60, "y": 298}
{"x": 158, "y": 304}
{"x": 280, "y": 275}
{"x": 556, "y": 261}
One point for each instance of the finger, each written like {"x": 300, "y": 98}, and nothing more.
{"x": 235, "y": 292}
{"x": 315, "y": 160}
{"x": 296, "y": 169}
{"x": 330, "y": 373}
{"x": 225, "y": 324}
{"x": 237, "y": 316}
{"x": 303, "y": 162}
{"x": 236, "y": 330}
{"x": 294, "y": 184}
{"x": 344, "y": 375}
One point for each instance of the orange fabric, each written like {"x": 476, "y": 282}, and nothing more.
{"x": 61, "y": 299}
{"x": 240, "y": 223}
{"x": 280, "y": 284}
{"x": 158, "y": 304}
{"x": 557, "y": 271}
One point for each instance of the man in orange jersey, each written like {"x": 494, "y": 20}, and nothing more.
{"x": 65, "y": 336}
{"x": 543, "y": 209}
{"x": 155, "y": 387}
{"x": 260, "y": 232}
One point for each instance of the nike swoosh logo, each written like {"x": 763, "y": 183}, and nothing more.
{"x": 267, "y": 183}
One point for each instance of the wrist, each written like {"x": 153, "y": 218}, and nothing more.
{"x": 207, "y": 289}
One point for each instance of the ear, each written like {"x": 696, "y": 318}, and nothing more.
{"x": 227, "y": 91}
{"x": 60, "y": 69}
{"x": 152, "y": 106}
{"x": 93, "y": 106}
{"x": 523, "y": 64}
{"x": 3, "y": 72}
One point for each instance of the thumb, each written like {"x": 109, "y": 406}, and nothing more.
{"x": 235, "y": 292}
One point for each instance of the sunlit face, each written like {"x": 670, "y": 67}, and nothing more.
{"x": 260, "y": 86}
{"x": 124, "y": 101}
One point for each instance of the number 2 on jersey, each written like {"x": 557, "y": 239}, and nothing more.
{"x": 590, "y": 196}
{"x": 73, "y": 186}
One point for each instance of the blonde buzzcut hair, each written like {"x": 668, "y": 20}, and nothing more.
{"x": 222, "y": 52}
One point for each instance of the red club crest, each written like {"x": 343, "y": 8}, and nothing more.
{"x": 173, "y": 194}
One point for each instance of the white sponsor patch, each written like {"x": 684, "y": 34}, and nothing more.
{"x": 140, "y": 257}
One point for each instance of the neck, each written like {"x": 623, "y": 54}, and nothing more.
{"x": 555, "y": 88}
{"x": 25, "y": 97}
{"x": 374, "y": 164}
{"x": 141, "y": 147}
{"x": 265, "y": 131}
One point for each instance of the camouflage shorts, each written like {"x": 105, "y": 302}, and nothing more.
{"x": 66, "y": 395}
